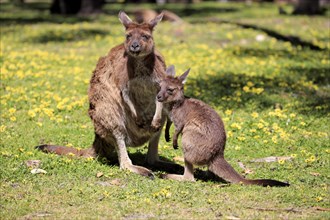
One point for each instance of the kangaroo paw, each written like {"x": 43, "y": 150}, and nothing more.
{"x": 156, "y": 124}
{"x": 167, "y": 138}
{"x": 140, "y": 122}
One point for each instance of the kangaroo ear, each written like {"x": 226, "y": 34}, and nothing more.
{"x": 183, "y": 77}
{"x": 124, "y": 19}
{"x": 170, "y": 71}
{"x": 156, "y": 20}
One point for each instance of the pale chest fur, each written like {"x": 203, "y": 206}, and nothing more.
{"x": 142, "y": 91}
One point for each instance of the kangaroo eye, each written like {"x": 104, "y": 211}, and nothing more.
{"x": 128, "y": 36}
{"x": 145, "y": 37}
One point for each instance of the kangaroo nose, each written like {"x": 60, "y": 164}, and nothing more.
{"x": 135, "y": 46}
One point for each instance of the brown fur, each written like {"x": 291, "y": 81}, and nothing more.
{"x": 203, "y": 133}
{"x": 122, "y": 100}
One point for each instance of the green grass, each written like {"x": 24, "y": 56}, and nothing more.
{"x": 273, "y": 97}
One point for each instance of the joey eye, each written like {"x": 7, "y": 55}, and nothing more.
{"x": 170, "y": 91}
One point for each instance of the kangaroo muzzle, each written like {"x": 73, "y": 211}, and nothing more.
{"x": 135, "y": 47}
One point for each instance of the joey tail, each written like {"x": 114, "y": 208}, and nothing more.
{"x": 63, "y": 150}
{"x": 220, "y": 167}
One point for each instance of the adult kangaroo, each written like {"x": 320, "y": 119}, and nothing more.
{"x": 203, "y": 133}
{"x": 122, "y": 99}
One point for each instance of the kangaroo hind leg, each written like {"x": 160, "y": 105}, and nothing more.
{"x": 126, "y": 163}
{"x": 188, "y": 174}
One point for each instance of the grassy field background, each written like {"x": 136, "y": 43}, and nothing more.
{"x": 273, "y": 97}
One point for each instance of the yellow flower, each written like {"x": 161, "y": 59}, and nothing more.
{"x": 90, "y": 158}
{"x": 260, "y": 125}
{"x": 255, "y": 115}
{"x": 274, "y": 139}
{"x": 241, "y": 138}
{"x": 293, "y": 155}
{"x": 12, "y": 118}
{"x": 292, "y": 115}
{"x": 31, "y": 113}
{"x": 49, "y": 112}
{"x": 319, "y": 199}
{"x": 3, "y": 128}
{"x": 12, "y": 111}
{"x": 257, "y": 90}
{"x": 311, "y": 159}
{"x": 246, "y": 89}
{"x": 250, "y": 84}
{"x": 228, "y": 112}
{"x": 236, "y": 125}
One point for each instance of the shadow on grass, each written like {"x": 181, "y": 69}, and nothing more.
{"x": 16, "y": 19}
{"x": 262, "y": 53}
{"x": 43, "y": 8}
{"x": 203, "y": 10}
{"x": 42, "y": 15}
{"x": 138, "y": 158}
{"x": 294, "y": 40}
{"x": 67, "y": 35}
{"x": 212, "y": 88}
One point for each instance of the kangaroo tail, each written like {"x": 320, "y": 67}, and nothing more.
{"x": 220, "y": 167}
{"x": 63, "y": 150}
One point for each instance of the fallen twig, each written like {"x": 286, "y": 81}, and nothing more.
{"x": 275, "y": 209}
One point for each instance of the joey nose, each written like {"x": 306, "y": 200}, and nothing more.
{"x": 159, "y": 98}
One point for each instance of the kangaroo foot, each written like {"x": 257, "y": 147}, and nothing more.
{"x": 177, "y": 177}
{"x": 140, "y": 170}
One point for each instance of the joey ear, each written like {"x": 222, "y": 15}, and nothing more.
{"x": 183, "y": 77}
{"x": 124, "y": 19}
{"x": 156, "y": 20}
{"x": 170, "y": 71}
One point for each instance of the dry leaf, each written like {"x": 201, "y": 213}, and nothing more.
{"x": 270, "y": 159}
{"x": 38, "y": 171}
{"x": 42, "y": 214}
{"x": 315, "y": 174}
{"x": 246, "y": 170}
{"x": 321, "y": 209}
{"x": 99, "y": 174}
{"x": 103, "y": 183}
{"x": 232, "y": 217}
{"x": 180, "y": 159}
{"x": 115, "y": 182}
{"x": 32, "y": 163}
